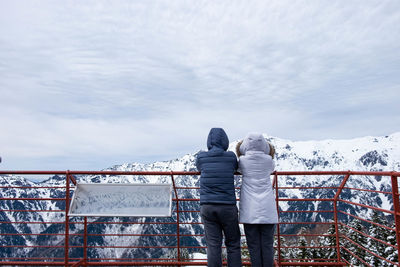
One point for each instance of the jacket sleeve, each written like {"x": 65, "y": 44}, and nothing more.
{"x": 239, "y": 169}
{"x": 234, "y": 159}
{"x": 197, "y": 163}
{"x": 236, "y": 164}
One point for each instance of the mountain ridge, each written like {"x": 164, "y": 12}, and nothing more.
{"x": 358, "y": 154}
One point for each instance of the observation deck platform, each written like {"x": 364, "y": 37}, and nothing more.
{"x": 324, "y": 230}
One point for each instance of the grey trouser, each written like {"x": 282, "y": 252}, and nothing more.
{"x": 218, "y": 219}
{"x": 260, "y": 241}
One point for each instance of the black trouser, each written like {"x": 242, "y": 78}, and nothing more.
{"x": 218, "y": 219}
{"x": 260, "y": 241}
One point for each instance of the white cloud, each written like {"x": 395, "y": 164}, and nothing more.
{"x": 150, "y": 78}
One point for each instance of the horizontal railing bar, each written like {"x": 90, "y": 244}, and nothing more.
{"x": 73, "y": 234}
{"x": 294, "y": 211}
{"x": 306, "y": 173}
{"x": 305, "y": 199}
{"x": 146, "y": 222}
{"x": 348, "y": 251}
{"x": 36, "y": 258}
{"x": 367, "y": 190}
{"x": 81, "y": 234}
{"x": 162, "y": 173}
{"x": 287, "y": 247}
{"x": 32, "y": 222}
{"x": 368, "y": 221}
{"x": 305, "y": 235}
{"x": 348, "y": 263}
{"x": 302, "y": 260}
{"x": 27, "y": 246}
{"x": 33, "y": 210}
{"x": 32, "y": 187}
{"x": 172, "y": 263}
{"x": 365, "y": 206}
{"x": 312, "y": 263}
{"x": 319, "y": 173}
{"x": 368, "y": 236}
{"x": 79, "y": 263}
{"x": 128, "y": 263}
{"x": 33, "y": 172}
{"x": 31, "y": 263}
{"x": 306, "y": 187}
{"x": 306, "y": 222}
{"x": 199, "y": 235}
{"x": 50, "y": 234}
{"x": 188, "y": 211}
{"x": 131, "y": 234}
{"x": 19, "y": 222}
{"x": 128, "y": 222}
{"x": 29, "y": 198}
{"x": 367, "y": 250}
{"x": 127, "y": 259}
{"x": 180, "y": 187}
{"x": 223, "y": 246}
{"x": 124, "y": 246}
{"x": 186, "y": 199}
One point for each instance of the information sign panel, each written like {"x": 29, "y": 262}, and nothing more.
{"x": 125, "y": 200}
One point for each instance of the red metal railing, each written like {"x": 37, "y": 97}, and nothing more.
{"x": 69, "y": 240}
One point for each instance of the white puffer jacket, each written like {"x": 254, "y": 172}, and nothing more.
{"x": 257, "y": 198}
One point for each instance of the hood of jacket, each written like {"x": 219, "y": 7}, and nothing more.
{"x": 217, "y": 138}
{"x": 254, "y": 142}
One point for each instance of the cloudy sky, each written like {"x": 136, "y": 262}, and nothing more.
{"x": 85, "y": 85}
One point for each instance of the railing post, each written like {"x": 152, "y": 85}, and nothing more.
{"x": 178, "y": 247}
{"x": 66, "y": 242}
{"x": 277, "y": 226}
{"x": 396, "y": 207}
{"x": 85, "y": 237}
{"x": 336, "y": 215}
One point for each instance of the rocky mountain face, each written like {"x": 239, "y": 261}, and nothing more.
{"x": 361, "y": 154}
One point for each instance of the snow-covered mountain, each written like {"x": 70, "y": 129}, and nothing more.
{"x": 360, "y": 154}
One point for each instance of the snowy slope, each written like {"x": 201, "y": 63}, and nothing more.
{"x": 360, "y": 154}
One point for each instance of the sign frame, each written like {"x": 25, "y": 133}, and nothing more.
{"x": 79, "y": 190}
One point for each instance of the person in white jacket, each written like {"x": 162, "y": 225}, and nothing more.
{"x": 258, "y": 211}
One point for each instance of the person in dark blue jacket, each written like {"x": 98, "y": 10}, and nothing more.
{"x": 218, "y": 209}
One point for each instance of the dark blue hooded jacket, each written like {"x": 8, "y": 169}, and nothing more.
{"x": 217, "y": 167}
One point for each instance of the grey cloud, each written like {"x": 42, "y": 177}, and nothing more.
{"x": 116, "y": 76}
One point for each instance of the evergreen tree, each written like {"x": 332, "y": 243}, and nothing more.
{"x": 380, "y": 233}
{"x": 184, "y": 254}
{"x": 283, "y": 252}
{"x": 303, "y": 252}
{"x": 328, "y": 241}
{"x": 245, "y": 251}
{"x": 315, "y": 252}
{"x": 289, "y": 253}
{"x": 360, "y": 242}
{"x": 391, "y": 253}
